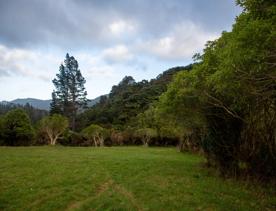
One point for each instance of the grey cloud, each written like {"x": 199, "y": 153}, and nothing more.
{"x": 4, "y": 72}
{"x": 75, "y": 23}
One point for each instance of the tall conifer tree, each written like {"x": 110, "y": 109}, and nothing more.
{"x": 69, "y": 95}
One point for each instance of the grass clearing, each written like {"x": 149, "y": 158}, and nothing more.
{"x": 118, "y": 178}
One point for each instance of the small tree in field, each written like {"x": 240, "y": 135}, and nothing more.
{"x": 53, "y": 126}
{"x": 146, "y": 134}
{"x": 95, "y": 133}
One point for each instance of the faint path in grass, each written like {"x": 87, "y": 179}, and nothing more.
{"x": 42, "y": 200}
{"x": 128, "y": 195}
{"x": 109, "y": 184}
{"x": 101, "y": 189}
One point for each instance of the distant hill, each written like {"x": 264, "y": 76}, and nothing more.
{"x": 94, "y": 101}
{"x": 36, "y": 103}
{"x": 35, "y": 114}
{"x": 42, "y": 104}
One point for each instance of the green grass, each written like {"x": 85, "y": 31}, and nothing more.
{"x": 118, "y": 178}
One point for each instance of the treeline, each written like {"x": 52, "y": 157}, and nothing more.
{"x": 35, "y": 114}
{"x": 112, "y": 121}
{"x": 226, "y": 105}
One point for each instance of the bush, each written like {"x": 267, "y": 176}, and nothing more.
{"x": 95, "y": 134}
{"x": 146, "y": 135}
{"x": 71, "y": 138}
{"x": 17, "y": 129}
{"x": 52, "y": 127}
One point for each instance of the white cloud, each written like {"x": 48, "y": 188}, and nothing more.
{"x": 122, "y": 27}
{"x": 42, "y": 66}
{"x": 117, "y": 54}
{"x": 26, "y": 63}
{"x": 104, "y": 71}
{"x": 23, "y": 71}
{"x": 183, "y": 42}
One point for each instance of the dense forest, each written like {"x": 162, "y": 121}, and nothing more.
{"x": 35, "y": 114}
{"x": 223, "y": 105}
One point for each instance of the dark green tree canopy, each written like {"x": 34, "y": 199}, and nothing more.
{"x": 16, "y": 128}
{"x": 228, "y": 100}
{"x": 127, "y": 99}
{"x": 69, "y": 95}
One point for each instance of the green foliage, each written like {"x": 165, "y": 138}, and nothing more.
{"x": 227, "y": 102}
{"x": 52, "y": 127}
{"x": 2, "y": 141}
{"x": 55, "y": 105}
{"x": 259, "y": 8}
{"x": 95, "y": 133}
{"x": 71, "y": 138}
{"x": 146, "y": 135}
{"x": 70, "y": 94}
{"x": 126, "y": 100}
{"x": 34, "y": 113}
{"x": 16, "y": 128}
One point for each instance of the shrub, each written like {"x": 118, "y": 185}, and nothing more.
{"x": 17, "y": 129}
{"x": 52, "y": 127}
{"x": 71, "y": 138}
{"x": 146, "y": 135}
{"x": 95, "y": 133}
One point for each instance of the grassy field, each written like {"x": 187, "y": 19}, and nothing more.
{"x": 118, "y": 178}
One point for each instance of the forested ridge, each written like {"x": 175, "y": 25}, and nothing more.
{"x": 119, "y": 109}
{"x": 223, "y": 105}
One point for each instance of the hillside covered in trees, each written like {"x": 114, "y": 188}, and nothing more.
{"x": 126, "y": 100}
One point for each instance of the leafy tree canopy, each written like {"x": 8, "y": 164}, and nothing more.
{"x": 16, "y": 128}
{"x": 53, "y": 127}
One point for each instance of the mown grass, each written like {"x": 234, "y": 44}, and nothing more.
{"x": 119, "y": 178}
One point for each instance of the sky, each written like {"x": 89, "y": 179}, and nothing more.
{"x": 109, "y": 38}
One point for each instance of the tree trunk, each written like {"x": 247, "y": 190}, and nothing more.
{"x": 50, "y": 137}
{"x": 55, "y": 140}
{"x": 146, "y": 141}
{"x": 101, "y": 142}
{"x": 95, "y": 141}
{"x": 73, "y": 121}
{"x": 181, "y": 144}
{"x": 51, "y": 140}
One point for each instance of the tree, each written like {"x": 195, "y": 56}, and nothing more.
{"x": 1, "y": 130}
{"x": 70, "y": 94}
{"x": 55, "y": 105}
{"x": 53, "y": 126}
{"x": 95, "y": 133}
{"x": 146, "y": 135}
{"x": 16, "y": 128}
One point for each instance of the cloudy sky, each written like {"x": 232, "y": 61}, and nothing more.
{"x": 109, "y": 38}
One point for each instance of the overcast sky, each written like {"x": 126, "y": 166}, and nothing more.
{"x": 109, "y": 38}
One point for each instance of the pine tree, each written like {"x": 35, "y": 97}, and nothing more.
{"x": 70, "y": 94}
{"x": 55, "y": 105}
